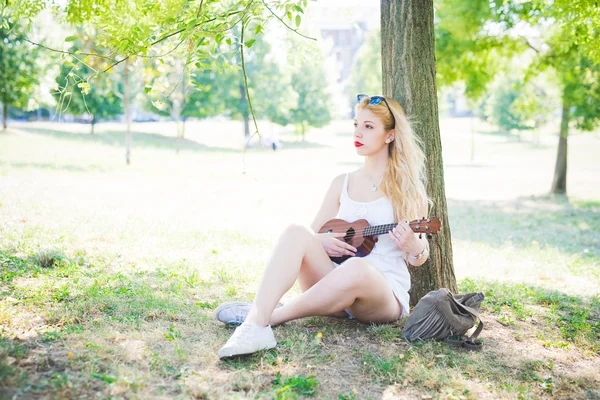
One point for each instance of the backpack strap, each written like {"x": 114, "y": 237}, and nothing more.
{"x": 474, "y": 313}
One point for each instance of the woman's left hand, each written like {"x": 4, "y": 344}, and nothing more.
{"x": 406, "y": 239}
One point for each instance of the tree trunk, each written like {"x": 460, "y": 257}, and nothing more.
{"x": 408, "y": 61}
{"x": 93, "y": 123}
{"x": 245, "y": 112}
{"x": 246, "y": 130}
{"x": 179, "y": 139}
{"x": 126, "y": 101}
{"x": 4, "y": 115}
{"x": 559, "y": 184}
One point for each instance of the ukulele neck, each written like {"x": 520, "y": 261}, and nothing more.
{"x": 378, "y": 229}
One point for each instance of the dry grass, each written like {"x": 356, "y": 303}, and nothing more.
{"x": 110, "y": 273}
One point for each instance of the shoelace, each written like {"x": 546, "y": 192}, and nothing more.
{"x": 241, "y": 333}
{"x": 240, "y": 317}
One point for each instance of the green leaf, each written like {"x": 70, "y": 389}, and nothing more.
{"x": 228, "y": 41}
{"x": 258, "y": 29}
{"x": 105, "y": 378}
{"x": 289, "y": 15}
{"x": 159, "y": 104}
{"x": 219, "y": 37}
{"x": 147, "y": 88}
{"x": 298, "y": 20}
{"x": 192, "y": 23}
{"x": 69, "y": 64}
{"x": 298, "y": 8}
{"x": 249, "y": 43}
{"x": 85, "y": 87}
{"x": 71, "y": 38}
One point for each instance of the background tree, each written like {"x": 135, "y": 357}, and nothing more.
{"x": 311, "y": 101}
{"x": 365, "y": 76}
{"x": 408, "y": 60}
{"x": 137, "y": 28}
{"x": 18, "y": 69}
{"x": 168, "y": 88}
{"x": 562, "y": 41}
{"x": 82, "y": 90}
{"x": 518, "y": 104}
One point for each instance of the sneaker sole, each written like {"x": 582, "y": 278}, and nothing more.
{"x": 269, "y": 347}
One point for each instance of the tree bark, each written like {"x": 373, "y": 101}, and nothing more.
{"x": 408, "y": 62}
{"x": 126, "y": 104}
{"x": 559, "y": 183}
{"x": 93, "y": 123}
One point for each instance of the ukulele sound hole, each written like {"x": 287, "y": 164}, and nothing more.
{"x": 349, "y": 235}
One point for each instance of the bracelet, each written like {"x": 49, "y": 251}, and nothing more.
{"x": 420, "y": 254}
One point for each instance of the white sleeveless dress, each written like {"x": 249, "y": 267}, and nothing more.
{"x": 385, "y": 255}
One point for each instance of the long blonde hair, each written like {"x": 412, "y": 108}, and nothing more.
{"x": 405, "y": 179}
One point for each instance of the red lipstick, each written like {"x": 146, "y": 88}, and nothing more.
{"x": 357, "y": 144}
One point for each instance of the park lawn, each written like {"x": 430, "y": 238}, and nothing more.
{"x": 110, "y": 274}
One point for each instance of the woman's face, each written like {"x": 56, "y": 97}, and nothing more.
{"x": 369, "y": 133}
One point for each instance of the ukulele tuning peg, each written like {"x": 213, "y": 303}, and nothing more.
{"x": 429, "y": 221}
{"x": 418, "y": 221}
{"x": 418, "y": 228}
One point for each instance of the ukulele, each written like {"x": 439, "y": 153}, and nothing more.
{"x": 362, "y": 236}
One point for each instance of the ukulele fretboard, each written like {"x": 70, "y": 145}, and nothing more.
{"x": 378, "y": 229}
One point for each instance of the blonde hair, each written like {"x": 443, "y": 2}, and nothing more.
{"x": 405, "y": 179}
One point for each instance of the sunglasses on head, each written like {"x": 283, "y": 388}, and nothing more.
{"x": 375, "y": 100}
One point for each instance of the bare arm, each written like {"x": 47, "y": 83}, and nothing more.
{"x": 330, "y": 205}
{"x": 424, "y": 245}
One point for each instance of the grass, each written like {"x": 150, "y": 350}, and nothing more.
{"x": 109, "y": 275}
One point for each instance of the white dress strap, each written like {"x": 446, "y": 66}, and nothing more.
{"x": 345, "y": 187}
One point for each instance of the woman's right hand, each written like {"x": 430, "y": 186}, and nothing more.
{"x": 334, "y": 246}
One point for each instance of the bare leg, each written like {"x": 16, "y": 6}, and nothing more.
{"x": 298, "y": 254}
{"x": 355, "y": 284}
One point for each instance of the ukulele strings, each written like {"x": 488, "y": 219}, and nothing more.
{"x": 362, "y": 231}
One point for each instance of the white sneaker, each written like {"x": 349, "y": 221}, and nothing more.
{"x": 248, "y": 338}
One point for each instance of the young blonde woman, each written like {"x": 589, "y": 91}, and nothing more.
{"x": 388, "y": 188}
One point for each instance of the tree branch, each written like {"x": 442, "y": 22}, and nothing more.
{"x": 69, "y": 52}
{"x": 287, "y": 26}
{"x": 529, "y": 44}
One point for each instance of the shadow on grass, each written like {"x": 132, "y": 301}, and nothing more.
{"x": 157, "y": 141}
{"x": 117, "y": 139}
{"x": 35, "y": 361}
{"x": 550, "y": 221}
{"x": 53, "y": 167}
{"x": 302, "y": 145}
{"x": 516, "y": 137}
{"x": 347, "y": 351}
{"x": 378, "y": 356}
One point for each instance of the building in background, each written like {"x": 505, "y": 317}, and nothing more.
{"x": 342, "y": 27}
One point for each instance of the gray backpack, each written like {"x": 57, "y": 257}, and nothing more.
{"x": 445, "y": 316}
